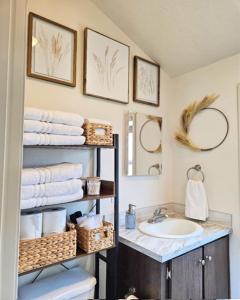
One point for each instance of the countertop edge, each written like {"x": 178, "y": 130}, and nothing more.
{"x": 165, "y": 258}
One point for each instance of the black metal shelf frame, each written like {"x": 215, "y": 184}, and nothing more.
{"x": 112, "y": 254}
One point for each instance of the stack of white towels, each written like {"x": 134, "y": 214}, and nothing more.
{"x": 44, "y": 127}
{"x": 51, "y": 185}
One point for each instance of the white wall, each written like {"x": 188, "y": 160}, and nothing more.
{"x": 142, "y": 191}
{"x": 221, "y": 165}
{"x": 79, "y": 14}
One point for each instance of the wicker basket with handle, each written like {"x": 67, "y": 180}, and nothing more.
{"x": 92, "y": 240}
{"x": 37, "y": 253}
{"x": 93, "y": 138}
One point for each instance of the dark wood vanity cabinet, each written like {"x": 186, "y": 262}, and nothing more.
{"x": 145, "y": 274}
{"x": 216, "y": 270}
{"x": 200, "y": 274}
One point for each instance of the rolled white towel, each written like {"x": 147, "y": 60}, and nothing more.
{"x": 53, "y": 116}
{"x": 45, "y": 127}
{"x": 51, "y": 189}
{"x": 54, "y": 173}
{"x": 42, "y": 201}
{"x": 52, "y": 139}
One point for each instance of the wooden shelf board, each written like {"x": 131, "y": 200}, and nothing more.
{"x": 71, "y": 147}
{"x": 80, "y": 253}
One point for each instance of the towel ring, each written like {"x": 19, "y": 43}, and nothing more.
{"x": 157, "y": 167}
{"x": 197, "y": 168}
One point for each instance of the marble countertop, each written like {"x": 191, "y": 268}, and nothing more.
{"x": 162, "y": 249}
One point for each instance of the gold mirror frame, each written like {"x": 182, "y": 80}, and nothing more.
{"x": 159, "y": 122}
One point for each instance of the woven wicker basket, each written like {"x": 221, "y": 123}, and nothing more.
{"x": 47, "y": 250}
{"x": 92, "y": 138}
{"x": 92, "y": 240}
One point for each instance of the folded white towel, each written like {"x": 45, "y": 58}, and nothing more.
{"x": 196, "y": 204}
{"x": 97, "y": 121}
{"x": 42, "y": 201}
{"x": 54, "y": 173}
{"x": 58, "y": 117}
{"x": 51, "y": 189}
{"x": 52, "y": 139}
{"x": 45, "y": 127}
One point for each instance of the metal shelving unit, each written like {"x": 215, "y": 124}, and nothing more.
{"x": 109, "y": 190}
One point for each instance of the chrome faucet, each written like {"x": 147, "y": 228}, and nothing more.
{"x": 158, "y": 216}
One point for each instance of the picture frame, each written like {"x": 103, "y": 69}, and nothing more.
{"x": 106, "y": 67}
{"x": 146, "y": 82}
{"x": 51, "y": 51}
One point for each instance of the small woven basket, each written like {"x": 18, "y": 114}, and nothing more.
{"x": 93, "y": 138}
{"x": 92, "y": 240}
{"x": 37, "y": 253}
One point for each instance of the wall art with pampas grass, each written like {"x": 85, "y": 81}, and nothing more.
{"x": 189, "y": 113}
{"x": 52, "y": 50}
{"x": 106, "y": 67}
{"x": 146, "y": 82}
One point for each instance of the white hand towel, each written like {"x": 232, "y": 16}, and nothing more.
{"x": 54, "y": 173}
{"x": 196, "y": 204}
{"x": 42, "y": 201}
{"x": 59, "y": 117}
{"x": 51, "y": 189}
{"x": 52, "y": 139}
{"x": 45, "y": 127}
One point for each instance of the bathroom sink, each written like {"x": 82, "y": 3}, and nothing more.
{"x": 171, "y": 228}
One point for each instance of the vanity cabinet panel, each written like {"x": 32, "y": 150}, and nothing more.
{"x": 199, "y": 274}
{"x": 137, "y": 270}
{"x": 186, "y": 280}
{"x": 216, "y": 270}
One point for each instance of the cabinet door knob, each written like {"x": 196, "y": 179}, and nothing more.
{"x": 202, "y": 262}
{"x": 209, "y": 257}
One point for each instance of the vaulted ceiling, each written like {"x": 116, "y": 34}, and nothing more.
{"x": 181, "y": 35}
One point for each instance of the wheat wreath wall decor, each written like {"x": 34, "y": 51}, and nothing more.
{"x": 189, "y": 113}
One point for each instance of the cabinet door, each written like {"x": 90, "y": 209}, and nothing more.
{"x": 216, "y": 273}
{"x": 146, "y": 275}
{"x": 186, "y": 276}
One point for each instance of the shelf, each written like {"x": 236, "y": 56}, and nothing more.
{"x": 69, "y": 147}
{"x": 80, "y": 253}
{"x": 107, "y": 191}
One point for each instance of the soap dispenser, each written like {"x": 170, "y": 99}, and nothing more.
{"x": 130, "y": 219}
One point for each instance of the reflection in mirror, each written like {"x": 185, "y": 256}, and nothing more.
{"x": 143, "y": 144}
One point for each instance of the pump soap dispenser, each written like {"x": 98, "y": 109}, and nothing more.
{"x": 130, "y": 219}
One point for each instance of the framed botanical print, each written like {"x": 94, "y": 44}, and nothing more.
{"x": 106, "y": 67}
{"x": 52, "y": 50}
{"x": 146, "y": 83}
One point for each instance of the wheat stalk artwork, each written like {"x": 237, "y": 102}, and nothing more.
{"x": 187, "y": 116}
{"x": 53, "y": 49}
{"x": 108, "y": 67}
{"x": 146, "y": 81}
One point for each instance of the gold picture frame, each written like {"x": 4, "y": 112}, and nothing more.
{"x": 51, "y": 51}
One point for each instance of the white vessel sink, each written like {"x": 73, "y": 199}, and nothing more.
{"x": 171, "y": 228}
